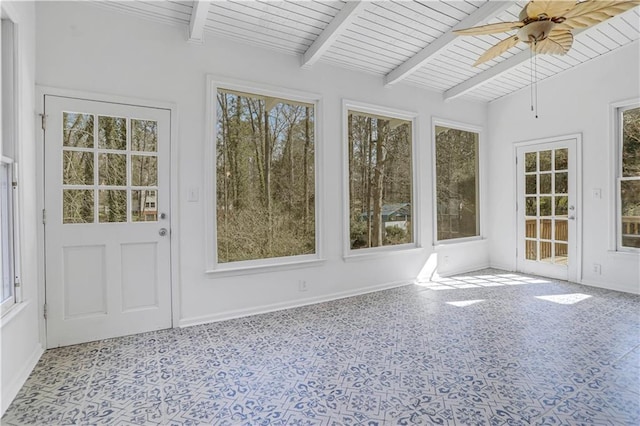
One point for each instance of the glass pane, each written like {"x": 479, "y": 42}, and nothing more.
{"x": 77, "y": 168}
{"x": 144, "y": 170}
{"x": 562, "y": 230}
{"x": 545, "y": 183}
{"x": 113, "y": 169}
{"x": 562, "y": 159}
{"x": 531, "y": 186}
{"x": 6, "y": 231}
{"x": 383, "y": 218}
{"x": 530, "y": 250}
{"x": 112, "y": 132}
{"x": 144, "y": 135}
{"x": 562, "y": 204}
{"x": 630, "y": 196}
{"x": 560, "y": 255}
{"x": 144, "y": 206}
{"x": 256, "y": 224}
{"x": 561, "y": 183}
{"x": 545, "y": 161}
{"x": 112, "y": 206}
{"x": 531, "y": 206}
{"x": 531, "y": 228}
{"x": 77, "y": 206}
{"x": 545, "y": 206}
{"x": 77, "y": 130}
{"x": 545, "y": 251}
{"x": 631, "y": 142}
{"x": 545, "y": 229}
{"x": 531, "y": 162}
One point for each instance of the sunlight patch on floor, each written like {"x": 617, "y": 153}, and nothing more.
{"x": 565, "y": 299}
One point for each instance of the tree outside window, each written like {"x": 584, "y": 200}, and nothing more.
{"x": 380, "y": 180}
{"x": 629, "y": 178}
{"x": 456, "y": 183}
{"x": 265, "y": 177}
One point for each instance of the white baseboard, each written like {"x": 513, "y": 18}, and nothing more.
{"x": 503, "y": 266}
{"x": 238, "y": 313}
{"x": 9, "y": 392}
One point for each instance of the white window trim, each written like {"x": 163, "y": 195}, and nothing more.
{"x": 9, "y": 14}
{"x": 435, "y": 121}
{"x": 615, "y": 203}
{"x": 373, "y": 252}
{"x": 212, "y": 267}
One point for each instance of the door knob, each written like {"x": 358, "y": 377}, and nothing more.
{"x": 162, "y": 232}
{"x": 163, "y": 215}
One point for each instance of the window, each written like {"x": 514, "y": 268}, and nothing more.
{"x": 380, "y": 179}
{"x": 8, "y": 269}
{"x": 457, "y": 204}
{"x": 264, "y": 177}
{"x": 629, "y": 178}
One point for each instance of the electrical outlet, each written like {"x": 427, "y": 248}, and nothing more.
{"x": 596, "y": 268}
{"x": 302, "y": 285}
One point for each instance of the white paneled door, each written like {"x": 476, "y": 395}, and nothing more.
{"x": 547, "y": 209}
{"x": 107, "y": 227}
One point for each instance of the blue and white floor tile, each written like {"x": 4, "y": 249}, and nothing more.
{"x": 487, "y": 348}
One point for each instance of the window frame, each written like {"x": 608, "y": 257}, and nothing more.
{"x": 212, "y": 266}
{"x": 350, "y": 254}
{"x": 9, "y": 150}
{"x": 439, "y": 122}
{"x": 618, "y": 110}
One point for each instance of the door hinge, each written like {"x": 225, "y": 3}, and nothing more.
{"x": 516, "y": 159}
{"x": 44, "y": 121}
{"x": 44, "y": 217}
{"x": 44, "y": 309}
{"x": 16, "y": 282}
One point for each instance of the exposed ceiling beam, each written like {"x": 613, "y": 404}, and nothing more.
{"x": 198, "y": 19}
{"x": 488, "y": 10}
{"x": 328, "y": 36}
{"x": 487, "y": 75}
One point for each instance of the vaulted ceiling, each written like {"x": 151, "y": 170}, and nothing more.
{"x": 401, "y": 41}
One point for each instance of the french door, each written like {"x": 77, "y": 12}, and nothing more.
{"x": 107, "y": 230}
{"x": 547, "y": 209}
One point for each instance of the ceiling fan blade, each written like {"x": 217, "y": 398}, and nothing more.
{"x": 551, "y": 8}
{"x": 497, "y": 50}
{"x": 500, "y": 27}
{"x": 592, "y": 12}
{"x": 558, "y": 43}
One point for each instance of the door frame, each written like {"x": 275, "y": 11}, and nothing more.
{"x": 577, "y": 277}
{"x": 40, "y": 93}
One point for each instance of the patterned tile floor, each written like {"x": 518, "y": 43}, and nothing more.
{"x": 487, "y": 348}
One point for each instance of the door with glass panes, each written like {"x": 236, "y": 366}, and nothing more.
{"x": 107, "y": 229}
{"x": 546, "y": 209}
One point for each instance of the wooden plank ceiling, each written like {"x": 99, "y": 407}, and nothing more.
{"x": 402, "y": 41}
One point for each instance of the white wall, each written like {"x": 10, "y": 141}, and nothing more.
{"x": 19, "y": 335}
{"x": 85, "y": 47}
{"x": 573, "y": 102}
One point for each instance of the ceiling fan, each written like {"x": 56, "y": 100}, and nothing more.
{"x": 545, "y": 25}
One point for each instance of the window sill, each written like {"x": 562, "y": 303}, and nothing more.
{"x": 230, "y": 271}
{"x": 382, "y": 252}
{"x": 459, "y": 241}
{"x": 625, "y": 253}
{"x": 13, "y": 312}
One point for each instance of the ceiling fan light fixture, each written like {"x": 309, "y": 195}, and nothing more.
{"x": 535, "y": 31}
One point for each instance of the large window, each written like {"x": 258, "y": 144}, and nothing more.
{"x": 265, "y": 177}
{"x": 380, "y": 180}
{"x": 629, "y": 178}
{"x": 8, "y": 270}
{"x": 456, "y": 183}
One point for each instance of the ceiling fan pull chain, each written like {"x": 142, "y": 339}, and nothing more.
{"x": 531, "y": 77}
{"x": 535, "y": 66}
